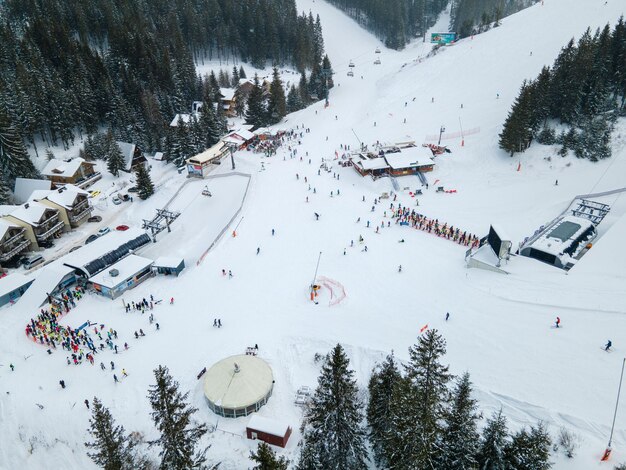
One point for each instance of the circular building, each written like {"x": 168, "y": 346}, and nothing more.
{"x": 238, "y": 385}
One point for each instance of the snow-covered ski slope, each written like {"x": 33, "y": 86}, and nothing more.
{"x": 500, "y": 326}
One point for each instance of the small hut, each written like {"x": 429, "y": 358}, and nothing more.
{"x": 268, "y": 430}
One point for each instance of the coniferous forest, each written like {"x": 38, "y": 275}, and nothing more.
{"x": 70, "y": 68}
{"x": 469, "y": 17}
{"x": 575, "y": 102}
{"x": 396, "y": 22}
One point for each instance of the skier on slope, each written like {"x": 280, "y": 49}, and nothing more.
{"x": 608, "y": 345}
{"x": 558, "y": 322}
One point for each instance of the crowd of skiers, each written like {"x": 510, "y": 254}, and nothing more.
{"x": 406, "y": 216}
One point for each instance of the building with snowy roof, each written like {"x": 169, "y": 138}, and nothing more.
{"x": 71, "y": 202}
{"x": 365, "y": 165}
{"x": 228, "y": 101}
{"x": 13, "y": 286}
{"x": 50, "y": 281}
{"x": 268, "y": 430}
{"x": 75, "y": 171}
{"x": 24, "y": 188}
{"x": 122, "y": 276}
{"x": 133, "y": 156}
{"x": 168, "y": 265}
{"x": 200, "y": 165}
{"x": 238, "y": 385}
{"x": 410, "y": 161}
{"x": 562, "y": 243}
{"x": 108, "y": 249}
{"x": 41, "y": 223}
{"x": 13, "y": 241}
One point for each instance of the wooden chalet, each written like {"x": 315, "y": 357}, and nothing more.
{"x": 76, "y": 171}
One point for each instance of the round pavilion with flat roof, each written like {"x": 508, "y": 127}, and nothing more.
{"x": 238, "y": 385}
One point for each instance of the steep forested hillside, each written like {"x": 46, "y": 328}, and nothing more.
{"x": 396, "y": 22}
{"x": 67, "y": 67}
{"x": 469, "y": 17}
{"x": 583, "y": 93}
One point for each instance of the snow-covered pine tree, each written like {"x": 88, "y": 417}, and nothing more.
{"x": 332, "y": 433}
{"x": 517, "y": 132}
{"x": 234, "y": 82}
{"x": 459, "y": 443}
{"x": 144, "y": 182}
{"x": 172, "y": 417}
{"x": 382, "y": 382}
{"x": 241, "y": 100}
{"x": 265, "y": 458}
{"x": 5, "y": 190}
{"x": 400, "y": 445}
{"x": 493, "y": 443}
{"x": 256, "y": 112}
{"x": 115, "y": 159}
{"x": 303, "y": 88}
{"x": 277, "y": 104}
{"x": 529, "y": 450}
{"x": 110, "y": 448}
{"x": 208, "y": 123}
{"x": 49, "y": 154}
{"x": 294, "y": 102}
{"x": 14, "y": 158}
{"x": 431, "y": 395}
{"x": 242, "y": 72}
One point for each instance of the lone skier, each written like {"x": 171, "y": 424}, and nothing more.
{"x": 447, "y": 315}
{"x": 608, "y": 345}
{"x": 558, "y": 322}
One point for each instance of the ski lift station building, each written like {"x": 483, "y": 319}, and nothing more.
{"x": 238, "y": 385}
{"x": 561, "y": 243}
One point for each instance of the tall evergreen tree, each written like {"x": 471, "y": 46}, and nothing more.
{"x": 294, "y": 101}
{"x": 115, "y": 159}
{"x": 14, "y": 159}
{"x": 242, "y": 72}
{"x": 256, "y": 112}
{"x": 529, "y": 450}
{"x": 172, "y": 415}
{"x": 459, "y": 444}
{"x": 235, "y": 78}
{"x": 381, "y": 386}
{"x": 493, "y": 443}
{"x": 265, "y": 459}
{"x": 333, "y": 438}
{"x": 111, "y": 448}
{"x": 517, "y": 133}
{"x": 277, "y": 104}
{"x": 5, "y": 190}
{"x": 429, "y": 380}
{"x": 144, "y": 182}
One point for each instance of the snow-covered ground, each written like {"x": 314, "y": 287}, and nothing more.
{"x": 499, "y": 328}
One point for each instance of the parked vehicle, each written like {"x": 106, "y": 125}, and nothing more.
{"x": 91, "y": 238}
{"x": 74, "y": 248}
{"x": 33, "y": 261}
{"x": 121, "y": 228}
{"x": 93, "y": 194}
{"x": 134, "y": 189}
{"x": 103, "y": 231}
{"x": 116, "y": 200}
{"x": 95, "y": 218}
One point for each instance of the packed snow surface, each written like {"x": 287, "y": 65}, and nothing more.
{"x": 500, "y": 325}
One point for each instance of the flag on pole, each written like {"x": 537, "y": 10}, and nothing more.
{"x": 607, "y": 455}
{"x": 424, "y": 328}
{"x": 519, "y": 166}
